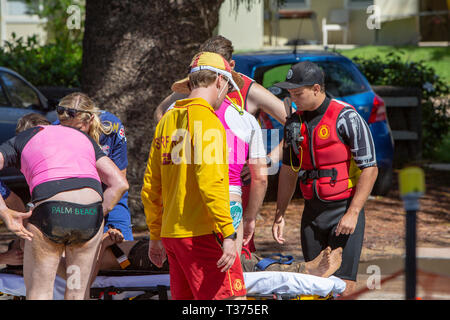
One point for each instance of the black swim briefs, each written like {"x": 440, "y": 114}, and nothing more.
{"x": 68, "y": 223}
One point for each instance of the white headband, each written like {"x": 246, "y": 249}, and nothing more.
{"x": 222, "y": 72}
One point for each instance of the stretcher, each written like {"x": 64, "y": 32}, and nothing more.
{"x": 126, "y": 284}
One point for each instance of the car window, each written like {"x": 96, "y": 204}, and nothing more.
{"x": 3, "y": 100}
{"x": 341, "y": 77}
{"x": 275, "y": 75}
{"x": 21, "y": 95}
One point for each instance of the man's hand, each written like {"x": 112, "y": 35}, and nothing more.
{"x": 156, "y": 253}
{"x": 226, "y": 261}
{"x": 14, "y": 222}
{"x": 112, "y": 236}
{"x": 347, "y": 224}
{"x": 249, "y": 230}
{"x": 277, "y": 229}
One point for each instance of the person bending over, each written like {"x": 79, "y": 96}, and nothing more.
{"x": 79, "y": 111}
{"x": 69, "y": 205}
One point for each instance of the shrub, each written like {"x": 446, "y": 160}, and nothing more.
{"x": 46, "y": 65}
{"x": 393, "y": 70}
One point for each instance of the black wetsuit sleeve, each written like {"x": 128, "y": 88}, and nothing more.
{"x": 354, "y": 132}
{"x": 11, "y": 154}
{"x": 289, "y": 156}
{"x": 98, "y": 151}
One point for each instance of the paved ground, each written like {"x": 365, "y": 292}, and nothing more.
{"x": 383, "y": 246}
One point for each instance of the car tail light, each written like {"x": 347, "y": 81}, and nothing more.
{"x": 378, "y": 110}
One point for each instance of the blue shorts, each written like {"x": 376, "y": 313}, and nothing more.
{"x": 236, "y": 213}
{"x": 120, "y": 218}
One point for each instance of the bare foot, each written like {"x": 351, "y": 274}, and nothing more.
{"x": 311, "y": 267}
{"x": 330, "y": 261}
{"x": 334, "y": 262}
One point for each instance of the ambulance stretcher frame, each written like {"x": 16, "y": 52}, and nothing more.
{"x": 129, "y": 284}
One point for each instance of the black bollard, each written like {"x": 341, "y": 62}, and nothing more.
{"x": 410, "y": 258}
{"x": 412, "y": 187}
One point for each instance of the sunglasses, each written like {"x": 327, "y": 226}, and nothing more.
{"x": 230, "y": 85}
{"x": 71, "y": 112}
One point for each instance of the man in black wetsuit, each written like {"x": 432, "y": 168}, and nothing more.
{"x": 330, "y": 148}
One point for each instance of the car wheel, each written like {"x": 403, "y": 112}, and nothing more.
{"x": 383, "y": 183}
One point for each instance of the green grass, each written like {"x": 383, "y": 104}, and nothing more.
{"x": 436, "y": 57}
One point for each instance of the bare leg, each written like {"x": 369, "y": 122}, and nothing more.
{"x": 80, "y": 262}
{"x": 41, "y": 259}
{"x": 349, "y": 288}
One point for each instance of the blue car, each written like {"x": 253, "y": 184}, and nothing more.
{"x": 343, "y": 81}
{"x": 18, "y": 97}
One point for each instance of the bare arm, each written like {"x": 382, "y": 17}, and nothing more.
{"x": 259, "y": 98}
{"x": 287, "y": 182}
{"x": 13, "y": 257}
{"x": 360, "y": 142}
{"x": 348, "y": 222}
{"x": 109, "y": 238}
{"x": 165, "y": 104}
{"x": 258, "y": 187}
{"x": 12, "y": 218}
{"x": 276, "y": 154}
{"x": 15, "y": 203}
{"x": 115, "y": 181}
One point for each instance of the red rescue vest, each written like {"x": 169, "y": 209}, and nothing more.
{"x": 330, "y": 171}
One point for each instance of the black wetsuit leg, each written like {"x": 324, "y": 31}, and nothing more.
{"x": 318, "y": 226}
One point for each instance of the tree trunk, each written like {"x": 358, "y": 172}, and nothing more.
{"x": 133, "y": 50}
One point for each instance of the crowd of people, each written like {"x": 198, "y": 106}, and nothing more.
{"x": 204, "y": 183}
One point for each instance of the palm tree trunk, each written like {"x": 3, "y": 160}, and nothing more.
{"x": 132, "y": 52}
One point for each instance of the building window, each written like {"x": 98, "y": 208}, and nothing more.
{"x": 295, "y": 4}
{"x": 359, "y": 4}
{"x": 16, "y": 8}
{"x": 16, "y": 12}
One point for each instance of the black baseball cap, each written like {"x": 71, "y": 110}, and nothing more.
{"x": 305, "y": 73}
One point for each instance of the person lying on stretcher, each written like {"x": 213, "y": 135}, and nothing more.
{"x": 135, "y": 257}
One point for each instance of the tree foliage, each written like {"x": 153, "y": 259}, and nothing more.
{"x": 58, "y": 15}
{"x": 394, "y": 71}
{"x": 43, "y": 65}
